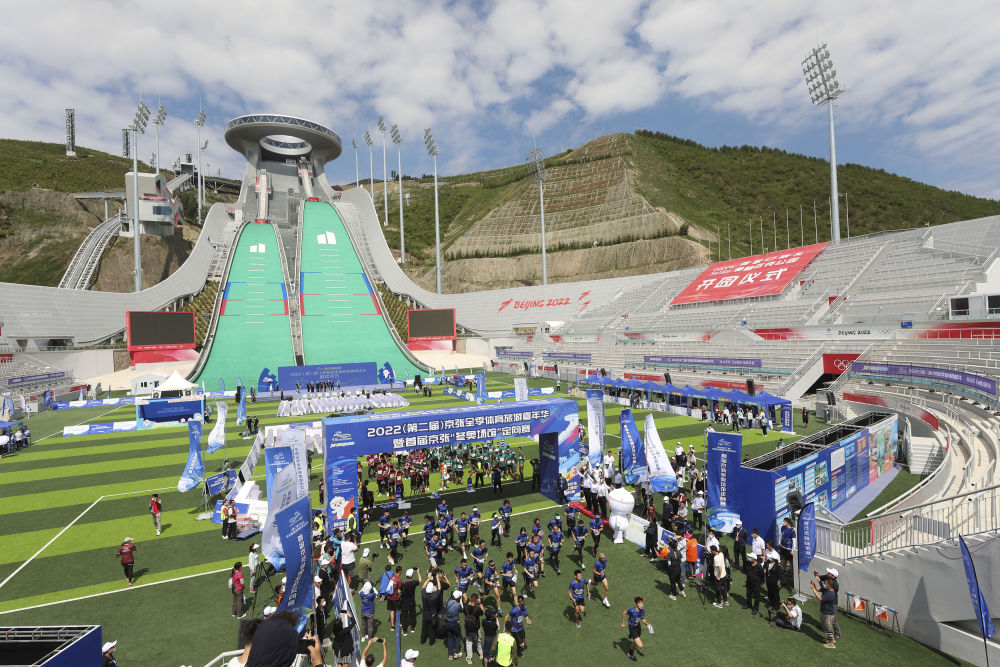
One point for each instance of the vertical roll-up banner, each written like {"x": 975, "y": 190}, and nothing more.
{"x": 520, "y": 389}
{"x": 979, "y": 606}
{"x": 295, "y": 529}
{"x": 241, "y": 410}
{"x": 480, "y": 388}
{"x": 222, "y": 385}
{"x": 807, "y": 536}
{"x": 595, "y": 426}
{"x": 786, "y": 418}
{"x": 284, "y": 491}
{"x": 217, "y": 438}
{"x": 275, "y": 459}
{"x": 194, "y": 469}
{"x": 661, "y": 473}
{"x": 633, "y": 452}
{"x": 724, "y": 453}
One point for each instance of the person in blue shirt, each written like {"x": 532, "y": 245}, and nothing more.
{"x": 368, "y": 595}
{"x": 432, "y": 549}
{"x": 571, "y": 513}
{"x": 530, "y": 575}
{"x": 479, "y": 554}
{"x": 555, "y": 522}
{"x": 464, "y": 575}
{"x": 536, "y": 550}
{"x": 508, "y": 575}
{"x": 601, "y": 577}
{"x": 556, "y": 538}
{"x": 384, "y": 522}
{"x": 404, "y": 526}
{"x": 579, "y": 532}
{"x": 596, "y": 526}
{"x": 521, "y": 542}
{"x": 428, "y": 527}
{"x": 442, "y": 525}
{"x": 474, "y": 520}
{"x": 450, "y": 529}
{"x": 634, "y": 616}
{"x": 536, "y": 527}
{"x": 786, "y": 543}
{"x": 462, "y": 528}
{"x": 393, "y": 536}
{"x": 442, "y": 508}
{"x": 505, "y": 511}
{"x": 495, "y": 530}
{"x": 518, "y": 616}
{"x": 577, "y": 587}
{"x": 491, "y": 581}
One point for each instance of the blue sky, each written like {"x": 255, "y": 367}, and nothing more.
{"x": 922, "y": 80}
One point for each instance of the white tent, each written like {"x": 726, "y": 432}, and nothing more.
{"x": 174, "y": 386}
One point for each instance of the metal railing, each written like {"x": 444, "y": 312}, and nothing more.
{"x": 969, "y": 513}
{"x": 849, "y": 290}
{"x": 85, "y": 260}
{"x": 785, "y": 386}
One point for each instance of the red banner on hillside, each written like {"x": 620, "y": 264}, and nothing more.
{"x": 760, "y": 275}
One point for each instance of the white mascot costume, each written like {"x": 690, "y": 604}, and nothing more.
{"x": 620, "y": 504}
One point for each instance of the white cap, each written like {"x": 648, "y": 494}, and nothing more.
{"x": 832, "y": 571}
{"x": 409, "y": 573}
{"x": 108, "y": 646}
{"x": 284, "y": 581}
{"x": 269, "y": 610}
{"x": 317, "y": 580}
{"x": 364, "y": 554}
{"x": 753, "y": 556}
{"x": 773, "y": 556}
{"x": 701, "y": 493}
{"x": 253, "y": 547}
{"x": 127, "y": 539}
{"x": 457, "y": 594}
{"x": 411, "y": 654}
{"x": 739, "y": 522}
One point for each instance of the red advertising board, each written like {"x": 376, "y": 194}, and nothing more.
{"x": 836, "y": 364}
{"x": 759, "y": 275}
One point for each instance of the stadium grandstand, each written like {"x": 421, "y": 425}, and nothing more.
{"x": 305, "y": 300}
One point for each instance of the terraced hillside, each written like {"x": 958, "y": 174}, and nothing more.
{"x": 628, "y": 204}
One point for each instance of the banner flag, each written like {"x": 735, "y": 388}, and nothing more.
{"x": 47, "y": 398}
{"x": 386, "y": 375}
{"x": 661, "y": 473}
{"x": 882, "y": 613}
{"x": 979, "y": 605}
{"x": 194, "y": 470}
{"x": 786, "y": 418}
{"x": 725, "y": 451}
{"x": 284, "y": 491}
{"x": 266, "y": 381}
{"x": 295, "y": 532}
{"x": 23, "y": 406}
{"x": 480, "y": 388}
{"x": 859, "y": 604}
{"x": 595, "y": 426}
{"x": 520, "y": 389}
{"x": 241, "y": 410}
{"x": 633, "y": 452}
{"x": 807, "y": 536}
{"x": 246, "y": 470}
{"x": 222, "y": 385}
{"x": 217, "y": 438}
{"x": 80, "y": 395}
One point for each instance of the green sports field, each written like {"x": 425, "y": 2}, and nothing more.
{"x": 66, "y": 504}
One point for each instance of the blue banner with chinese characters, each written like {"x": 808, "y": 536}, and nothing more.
{"x": 194, "y": 469}
{"x": 983, "y": 618}
{"x": 633, "y": 449}
{"x": 295, "y": 532}
{"x": 807, "y": 536}
{"x": 724, "y": 453}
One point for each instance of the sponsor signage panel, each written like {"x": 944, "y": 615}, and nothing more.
{"x": 977, "y": 382}
{"x": 703, "y": 361}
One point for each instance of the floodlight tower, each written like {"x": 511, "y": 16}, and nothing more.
{"x": 199, "y": 122}
{"x": 138, "y": 126}
{"x": 433, "y": 151}
{"x": 398, "y": 141}
{"x": 202, "y": 167}
{"x": 535, "y": 159}
{"x": 821, "y": 80}
{"x": 371, "y": 165}
{"x": 357, "y": 174}
{"x": 161, "y": 116}
{"x": 385, "y": 189}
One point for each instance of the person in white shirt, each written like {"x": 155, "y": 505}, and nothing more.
{"x": 679, "y": 449}
{"x": 789, "y": 615}
{"x": 601, "y": 488}
{"x": 409, "y": 657}
{"x": 348, "y": 552}
{"x": 757, "y": 545}
{"x": 619, "y": 480}
{"x": 369, "y": 660}
{"x": 586, "y": 484}
{"x": 721, "y": 576}
{"x": 711, "y": 540}
{"x": 609, "y": 467}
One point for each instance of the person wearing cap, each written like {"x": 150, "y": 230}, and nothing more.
{"x": 698, "y": 507}
{"x": 409, "y": 658}
{"x": 368, "y": 595}
{"x": 740, "y": 537}
{"x": 108, "y": 654}
{"x": 634, "y": 616}
{"x": 755, "y": 582}
{"x": 452, "y": 612}
{"x": 832, "y": 577}
{"x": 495, "y": 529}
{"x": 823, "y": 590}
{"x": 363, "y": 565}
{"x": 126, "y": 555}
{"x": 774, "y": 579}
{"x": 556, "y": 538}
{"x": 430, "y": 600}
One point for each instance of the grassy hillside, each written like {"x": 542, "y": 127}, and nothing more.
{"x": 706, "y": 188}
{"x": 29, "y": 163}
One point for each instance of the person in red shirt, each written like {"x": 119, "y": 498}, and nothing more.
{"x": 155, "y": 507}
{"x": 393, "y": 599}
{"x": 126, "y": 554}
{"x": 236, "y": 584}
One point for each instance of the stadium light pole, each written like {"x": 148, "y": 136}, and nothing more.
{"x": 535, "y": 158}
{"x": 161, "y": 117}
{"x": 762, "y": 247}
{"x": 815, "y": 222}
{"x": 398, "y": 141}
{"x": 729, "y": 240}
{"x": 385, "y": 178}
{"x": 774, "y": 225}
{"x": 788, "y": 234}
{"x": 751, "y": 236}
{"x": 371, "y": 165}
{"x": 821, "y": 80}
{"x": 202, "y": 168}
{"x": 199, "y": 122}
{"x": 138, "y": 127}
{"x": 433, "y": 151}
{"x": 802, "y": 228}
{"x": 357, "y": 173}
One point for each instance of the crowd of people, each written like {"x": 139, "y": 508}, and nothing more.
{"x": 13, "y": 440}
